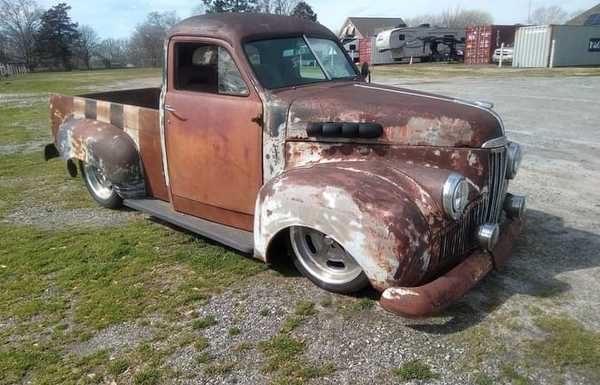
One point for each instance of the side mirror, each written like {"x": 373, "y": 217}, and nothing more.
{"x": 365, "y": 72}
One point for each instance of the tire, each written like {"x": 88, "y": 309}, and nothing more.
{"x": 99, "y": 188}
{"x": 325, "y": 262}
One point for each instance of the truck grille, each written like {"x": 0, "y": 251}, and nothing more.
{"x": 460, "y": 237}
{"x": 497, "y": 184}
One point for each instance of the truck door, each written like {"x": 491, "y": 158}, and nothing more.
{"x": 213, "y": 138}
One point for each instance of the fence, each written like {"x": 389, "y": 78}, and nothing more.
{"x": 11, "y": 69}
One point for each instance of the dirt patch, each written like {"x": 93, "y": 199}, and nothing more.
{"x": 48, "y": 217}
{"x": 116, "y": 339}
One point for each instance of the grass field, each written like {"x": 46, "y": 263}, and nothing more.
{"x": 90, "y": 296}
{"x": 58, "y": 284}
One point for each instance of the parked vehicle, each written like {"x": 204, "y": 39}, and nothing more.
{"x": 247, "y": 144}
{"x": 424, "y": 42}
{"x": 506, "y": 54}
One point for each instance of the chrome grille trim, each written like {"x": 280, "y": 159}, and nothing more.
{"x": 497, "y": 184}
{"x": 460, "y": 237}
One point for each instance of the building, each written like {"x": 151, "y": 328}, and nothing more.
{"x": 358, "y": 36}
{"x": 590, "y": 17}
{"x": 557, "y": 46}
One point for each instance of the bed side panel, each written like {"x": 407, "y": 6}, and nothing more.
{"x": 150, "y": 150}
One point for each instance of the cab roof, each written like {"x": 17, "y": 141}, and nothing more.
{"x": 242, "y": 27}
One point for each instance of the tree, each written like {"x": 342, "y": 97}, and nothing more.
{"x": 548, "y": 15}
{"x": 148, "y": 38}
{"x": 57, "y": 37}
{"x": 453, "y": 18}
{"x": 240, "y": 6}
{"x": 87, "y": 44}
{"x": 112, "y": 51}
{"x": 278, "y": 7}
{"x": 19, "y": 22}
{"x": 304, "y": 11}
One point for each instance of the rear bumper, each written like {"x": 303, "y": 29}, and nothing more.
{"x": 414, "y": 302}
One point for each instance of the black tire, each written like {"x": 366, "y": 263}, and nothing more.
{"x": 349, "y": 286}
{"x": 110, "y": 200}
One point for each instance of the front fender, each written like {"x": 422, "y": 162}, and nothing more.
{"x": 106, "y": 147}
{"x": 366, "y": 207}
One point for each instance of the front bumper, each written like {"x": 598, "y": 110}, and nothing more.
{"x": 431, "y": 298}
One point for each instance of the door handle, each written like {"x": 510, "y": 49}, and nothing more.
{"x": 174, "y": 112}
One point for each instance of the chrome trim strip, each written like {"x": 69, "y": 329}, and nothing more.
{"x": 497, "y": 142}
{"x": 162, "y": 115}
{"x": 455, "y": 100}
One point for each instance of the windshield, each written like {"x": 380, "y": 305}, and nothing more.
{"x": 295, "y": 61}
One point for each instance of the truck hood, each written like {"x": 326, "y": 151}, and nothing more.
{"x": 408, "y": 117}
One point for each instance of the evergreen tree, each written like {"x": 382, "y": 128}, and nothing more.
{"x": 304, "y": 11}
{"x": 57, "y": 37}
{"x": 239, "y": 6}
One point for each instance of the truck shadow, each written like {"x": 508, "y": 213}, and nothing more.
{"x": 546, "y": 249}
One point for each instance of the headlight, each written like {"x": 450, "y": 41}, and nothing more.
{"x": 455, "y": 195}
{"x": 514, "y": 160}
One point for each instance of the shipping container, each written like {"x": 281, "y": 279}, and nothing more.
{"x": 557, "y": 46}
{"x": 483, "y": 40}
{"x": 368, "y": 54}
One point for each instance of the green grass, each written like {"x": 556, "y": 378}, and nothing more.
{"x": 218, "y": 369}
{"x": 415, "y": 370}
{"x": 568, "y": 345}
{"x": 204, "y": 322}
{"x": 60, "y": 285}
{"x": 233, "y": 331}
{"x": 72, "y": 82}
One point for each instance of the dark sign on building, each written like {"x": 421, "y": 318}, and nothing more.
{"x": 594, "y": 45}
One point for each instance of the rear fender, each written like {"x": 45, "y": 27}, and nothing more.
{"x": 372, "y": 216}
{"x": 106, "y": 147}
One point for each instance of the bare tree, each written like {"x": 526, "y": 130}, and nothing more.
{"x": 112, "y": 51}
{"x": 87, "y": 44}
{"x": 453, "y": 18}
{"x": 548, "y": 15}
{"x": 278, "y": 7}
{"x": 148, "y": 38}
{"x": 19, "y": 22}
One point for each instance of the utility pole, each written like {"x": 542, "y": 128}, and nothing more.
{"x": 529, "y": 13}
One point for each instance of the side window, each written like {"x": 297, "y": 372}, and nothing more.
{"x": 207, "y": 68}
{"x": 401, "y": 37}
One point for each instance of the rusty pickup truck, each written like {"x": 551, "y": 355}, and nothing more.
{"x": 264, "y": 132}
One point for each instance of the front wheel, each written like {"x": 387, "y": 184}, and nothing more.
{"x": 99, "y": 186}
{"x": 325, "y": 262}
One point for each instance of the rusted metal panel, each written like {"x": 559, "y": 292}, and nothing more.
{"x": 238, "y": 27}
{"x": 483, "y": 40}
{"x": 437, "y": 295}
{"x": 214, "y": 146}
{"x": 379, "y": 223}
{"x": 107, "y": 147}
{"x": 140, "y": 124}
{"x": 408, "y": 117}
{"x": 150, "y": 151}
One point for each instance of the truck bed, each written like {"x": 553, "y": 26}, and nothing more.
{"x": 134, "y": 111}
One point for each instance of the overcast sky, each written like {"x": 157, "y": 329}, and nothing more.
{"x": 117, "y": 18}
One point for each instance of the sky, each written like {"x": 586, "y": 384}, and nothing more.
{"x": 118, "y": 18}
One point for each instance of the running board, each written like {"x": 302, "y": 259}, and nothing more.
{"x": 235, "y": 238}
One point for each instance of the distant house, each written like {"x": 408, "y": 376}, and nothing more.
{"x": 358, "y": 36}
{"x": 590, "y": 17}
{"x": 366, "y": 27}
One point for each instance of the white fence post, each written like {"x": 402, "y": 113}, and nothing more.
{"x": 552, "y": 48}
{"x": 501, "y": 55}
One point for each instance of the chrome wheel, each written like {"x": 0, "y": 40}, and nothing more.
{"x": 97, "y": 182}
{"x": 323, "y": 258}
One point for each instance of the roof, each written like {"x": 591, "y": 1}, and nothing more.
{"x": 239, "y": 27}
{"x": 583, "y": 18}
{"x": 371, "y": 26}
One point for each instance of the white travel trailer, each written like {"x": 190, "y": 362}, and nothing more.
{"x": 423, "y": 42}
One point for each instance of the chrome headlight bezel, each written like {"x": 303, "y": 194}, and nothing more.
{"x": 455, "y": 195}
{"x": 514, "y": 159}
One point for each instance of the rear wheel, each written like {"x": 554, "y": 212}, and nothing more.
{"x": 325, "y": 262}
{"x": 99, "y": 186}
